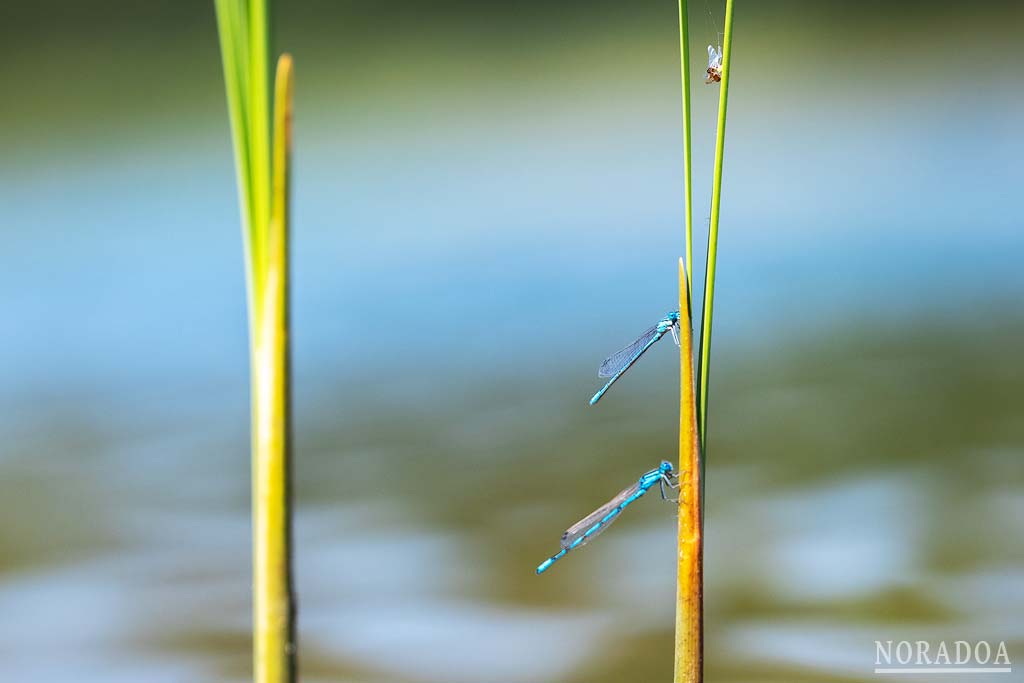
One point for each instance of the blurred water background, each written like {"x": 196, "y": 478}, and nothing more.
{"x": 488, "y": 201}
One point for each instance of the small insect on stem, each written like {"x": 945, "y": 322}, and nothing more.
{"x": 714, "y": 65}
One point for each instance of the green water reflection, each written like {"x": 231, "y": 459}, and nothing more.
{"x": 861, "y": 486}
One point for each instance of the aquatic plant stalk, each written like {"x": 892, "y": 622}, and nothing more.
{"x": 684, "y": 70}
{"x": 703, "y": 375}
{"x": 689, "y": 649}
{"x": 274, "y": 608}
{"x": 263, "y": 185}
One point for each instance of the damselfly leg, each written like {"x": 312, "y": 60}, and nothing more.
{"x": 672, "y": 482}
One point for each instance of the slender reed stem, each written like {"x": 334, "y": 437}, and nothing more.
{"x": 684, "y": 70}
{"x": 231, "y": 28}
{"x": 689, "y": 664}
{"x": 263, "y": 188}
{"x": 712, "y": 260}
{"x": 274, "y": 610}
{"x": 259, "y": 126}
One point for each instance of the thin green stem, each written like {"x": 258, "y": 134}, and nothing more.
{"x": 703, "y": 376}
{"x": 263, "y": 187}
{"x": 231, "y": 28}
{"x": 274, "y": 606}
{"x": 259, "y": 128}
{"x": 684, "y": 70}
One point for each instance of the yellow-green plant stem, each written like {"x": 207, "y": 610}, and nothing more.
{"x": 689, "y": 646}
{"x": 244, "y": 43}
{"x": 263, "y": 188}
{"x": 703, "y": 375}
{"x": 689, "y": 638}
{"x": 259, "y": 126}
{"x": 684, "y": 70}
{"x": 273, "y": 609}
{"x": 232, "y": 28}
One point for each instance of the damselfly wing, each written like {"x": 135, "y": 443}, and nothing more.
{"x": 581, "y": 527}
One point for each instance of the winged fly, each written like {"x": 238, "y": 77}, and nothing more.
{"x": 714, "y": 65}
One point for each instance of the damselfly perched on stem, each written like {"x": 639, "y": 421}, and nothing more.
{"x": 620, "y": 361}
{"x": 588, "y": 528}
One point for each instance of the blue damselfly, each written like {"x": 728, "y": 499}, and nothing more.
{"x": 588, "y": 528}
{"x": 620, "y": 361}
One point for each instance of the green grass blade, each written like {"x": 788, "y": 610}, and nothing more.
{"x": 259, "y": 125}
{"x": 263, "y": 188}
{"x": 712, "y": 260}
{"x": 274, "y": 608}
{"x": 684, "y": 70}
{"x": 231, "y": 28}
